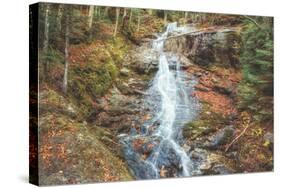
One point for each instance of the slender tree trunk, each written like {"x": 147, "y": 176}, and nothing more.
{"x": 105, "y": 14}
{"x": 139, "y": 20}
{"x": 91, "y": 16}
{"x": 65, "y": 77}
{"x": 46, "y": 29}
{"x": 131, "y": 16}
{"x": 213, "y": 19}
{"x": 116, "y": 22}
{"x": 194, "y": 18}
{"x": 185, "y": 16}
{"x": 96, "y": 11}
{"x": 59, "y": 16}
{"x": 150, "y": 11}
{"x": 99, "y": 12}
{"x": 46, "y": 40}
{"x": 124, "y": 15}
{"x": 165, "y": 17}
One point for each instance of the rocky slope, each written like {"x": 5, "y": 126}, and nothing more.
{"x": 72, "y": 151}
{"x": 106, "y": 102}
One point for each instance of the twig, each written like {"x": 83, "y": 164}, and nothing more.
{"x": 236, "y": 138}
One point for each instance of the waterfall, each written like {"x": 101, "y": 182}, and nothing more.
{"x": 169, "y": 87}
{"x": 172, "y": 106}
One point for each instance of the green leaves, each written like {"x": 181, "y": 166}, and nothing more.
{"x": 257, "y": 69}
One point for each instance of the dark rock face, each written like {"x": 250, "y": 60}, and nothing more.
{"x": 207, "y": 47}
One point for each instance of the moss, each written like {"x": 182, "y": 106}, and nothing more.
{"x": 112, "y": 69}
{"x": 206, "y": 123}
{"x": 94, "y": 80}
{"x": 197, "y": 128}
{"x": 118, "y": 48}
{"x": 98, "y": 82}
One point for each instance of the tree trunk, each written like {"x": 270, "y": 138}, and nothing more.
{"x": 46, "y": 40}
{"x": 213, "y": 19}
{"x": 91, "y": 16}
{"x": 65, "y": 77}
{"x": 106, "y": 12}
{"x": 124, "y": 15}
{"x": 59, "y": 16}
{"x": 165, "y": 17}
{"x": 99, "y": 12}
{"x": 116, "y": 22}
{"x": 185, "y": 16}
{"x": 96, "y": 11}
{"x": 131, "y": 16}
{"x": 150, "y": 11}
{"x": 139, "y": 20}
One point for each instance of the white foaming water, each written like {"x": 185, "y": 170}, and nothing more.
{"x": 169, "y": 86}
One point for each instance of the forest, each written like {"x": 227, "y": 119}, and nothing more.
{"x": 129, "y": 93}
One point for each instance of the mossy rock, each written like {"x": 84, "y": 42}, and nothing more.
{"x": 95, "y": 78}
{"x": 206, "y": 123}
{"x": 197, "y": 128}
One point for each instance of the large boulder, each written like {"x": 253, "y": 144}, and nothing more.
{"x": 206, "y": 47}
{"x": 143, "y": 60}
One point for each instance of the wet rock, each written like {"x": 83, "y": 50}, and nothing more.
{"x": 148, "y": 147}
{"x": 221, "y": 137}
{"x": 185, "y": 62}
{"x": 221, "y": 169}
{"x": 211, "y": 163}
{"x": 144, "y": 145}
{"x": 198, "y": 154}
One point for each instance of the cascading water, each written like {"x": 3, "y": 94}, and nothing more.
{"x": 171, "y": 104}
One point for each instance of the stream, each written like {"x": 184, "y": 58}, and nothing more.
{"x": 157, "y": 149}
